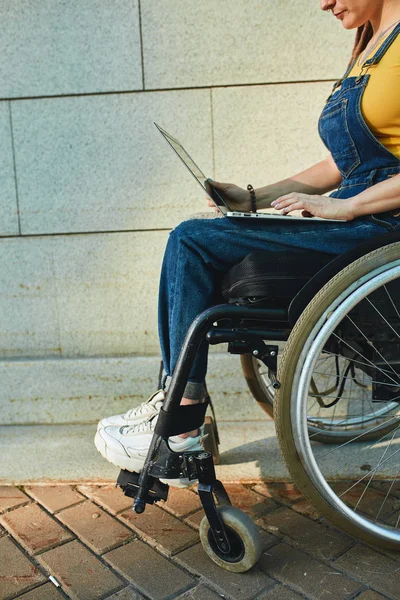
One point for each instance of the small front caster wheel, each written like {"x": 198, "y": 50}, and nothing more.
{"x": 244, "y": 537}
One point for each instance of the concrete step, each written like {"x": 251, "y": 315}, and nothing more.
{"x": 249, "y": 452}
{"x": 84, "y": 390}
{"x": 53, "y": 453}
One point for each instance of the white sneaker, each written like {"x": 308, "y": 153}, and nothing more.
{"x": 144, "y": 411}
{"x": 126, "y": 447}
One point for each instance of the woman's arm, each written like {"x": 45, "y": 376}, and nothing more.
{"x": 378, "y": 198}
{"x": 318, "y": 179}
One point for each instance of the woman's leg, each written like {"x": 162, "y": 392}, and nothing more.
{"x": 200, "y": 251}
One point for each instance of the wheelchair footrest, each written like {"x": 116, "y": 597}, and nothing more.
{"x": 129, "y": 483}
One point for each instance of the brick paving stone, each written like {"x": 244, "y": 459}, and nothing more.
{"x": 81, "y": 575}
{"x": 324, "y": 542}
{"x": 48, "y": 591}
{"x": 249, "y": 501}
{"x": 34, "y": 529}
{"x": 195, "y": 519}
{"x": 17, "y": 573}
{"x": 371, "y": 595}
{"x": 160, "y": 529}
{"x": 372, "y": 568}
{"x": 181, "y": 502}
{"x": 151, "y": 573}
{"x": 387, "y": 486}
{"x": 108, "y": 496}
{"x": 306, "y": 575}
{"x": 127, "y": 593}
{"x": 279, "y": 491}
{"x": 55, "y": 497}
{"x": 304, "y": 507}
{"x": 201, "y": 592}
{"x": 239, "y": 586}
{"x": 280, "y": 592}
{"x": 97, "y": 529}
{"x": 10, "y": 497}
{"x": 372, "y": 502}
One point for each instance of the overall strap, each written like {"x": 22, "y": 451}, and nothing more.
{"x": 340, "y": 81}
{"x": 383, "y": 49}
{"x": 372, "y": 61}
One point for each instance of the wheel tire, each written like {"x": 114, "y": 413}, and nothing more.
{"x": 283, "y": 403}
{"x": 262, "y": 395}
{"x": 245, "y": 538}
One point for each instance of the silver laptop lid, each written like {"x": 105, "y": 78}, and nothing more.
{"x": 194, "y": 170}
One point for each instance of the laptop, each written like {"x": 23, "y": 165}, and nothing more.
{"x": 214, "y": 195}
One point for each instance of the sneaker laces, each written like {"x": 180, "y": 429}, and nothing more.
{"x": 149, "y": 407}
{"x": 142, "y": 427}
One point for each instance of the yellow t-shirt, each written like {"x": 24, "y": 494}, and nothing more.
{"x": 380, "y": 104}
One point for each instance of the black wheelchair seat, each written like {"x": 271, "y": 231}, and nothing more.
{"x": 290, "y": 279}
{"x": 263, "y": 277}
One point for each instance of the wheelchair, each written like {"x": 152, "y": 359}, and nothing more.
{"x": 319, "y": 339}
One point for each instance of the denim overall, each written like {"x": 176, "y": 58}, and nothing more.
{"x": 361, "y": 159}
{"x": 199, "y": 251}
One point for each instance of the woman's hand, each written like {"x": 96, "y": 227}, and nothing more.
{"x": 236, "y": 198}
{"x": 315, "y": 206}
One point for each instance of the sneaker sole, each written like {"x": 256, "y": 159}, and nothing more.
{"x": 123, "y": 462}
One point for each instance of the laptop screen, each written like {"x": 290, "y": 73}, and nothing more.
{"x": 194, "y": 169}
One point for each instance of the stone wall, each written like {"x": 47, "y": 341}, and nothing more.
{"x": 89, "y": 189}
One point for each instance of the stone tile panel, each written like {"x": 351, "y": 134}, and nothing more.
{"x": 269, "y": 133}
{"x": 28, "y": 299}
{"x": 55, "y": 47}
{"x": 86, "y": 389}
{"x": 250, "y": 42}
{"x": 8, "y": 206}
{"x": 97, "y": 163}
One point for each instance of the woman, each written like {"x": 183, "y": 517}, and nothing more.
{"x": 360, "y": 125}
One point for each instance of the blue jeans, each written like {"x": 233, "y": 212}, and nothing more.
{"x": 200, "y": 251}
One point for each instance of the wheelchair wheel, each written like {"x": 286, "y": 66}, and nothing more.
{"x": 355, "y": 319}
{"x": 329, "y": 425}
{"x": 244, "y": 537}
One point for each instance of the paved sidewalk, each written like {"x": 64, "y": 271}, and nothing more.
{"x": 94, "y": 547}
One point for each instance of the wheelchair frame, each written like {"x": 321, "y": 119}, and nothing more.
{"x": 245, "y": 329}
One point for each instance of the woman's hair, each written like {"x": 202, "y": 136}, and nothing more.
{"x": 363, "y": 36}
